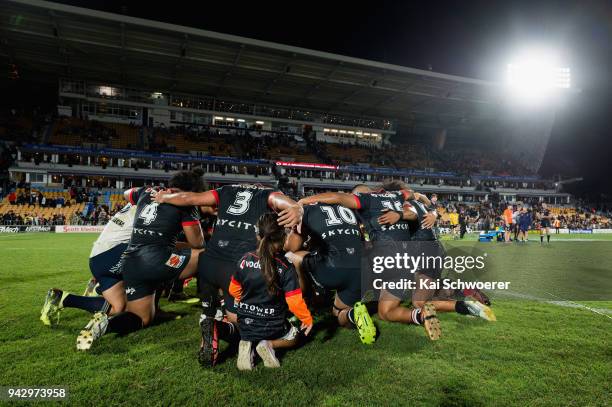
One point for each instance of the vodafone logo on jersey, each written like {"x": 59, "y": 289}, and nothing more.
{"x": 250, "y": 264}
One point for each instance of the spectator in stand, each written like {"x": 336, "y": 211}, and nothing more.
{"x": 12, "y": 198}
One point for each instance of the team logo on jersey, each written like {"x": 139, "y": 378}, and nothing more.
{"x": 223, "y": 243}
{"x": 175, "y": 261}
{"x": 130, "y": 290}
{"x": 350, "y": 250}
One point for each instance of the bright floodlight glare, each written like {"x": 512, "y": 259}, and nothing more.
{"x": 535, "y": 77}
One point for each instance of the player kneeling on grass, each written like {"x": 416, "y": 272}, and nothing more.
{"x": 104, "y": 264}
{"x": 265, "y": 288}
{"x": 152, "y": 257}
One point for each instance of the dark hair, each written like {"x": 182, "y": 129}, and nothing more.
{"x": 188, "y": 180}
{"x": 394, "y": 185}
{"x": 271, "y": 239}
{"x": 358, "y": 187}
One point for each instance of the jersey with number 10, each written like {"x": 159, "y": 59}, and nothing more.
{"x": 336, "y": 230}
{"x": 239, "y": 208}
{"x": 157, "y": 224}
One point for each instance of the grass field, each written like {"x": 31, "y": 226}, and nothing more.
{"x": 537, "y": 353}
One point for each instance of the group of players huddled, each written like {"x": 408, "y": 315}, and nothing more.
{"x": 265, "y": 251}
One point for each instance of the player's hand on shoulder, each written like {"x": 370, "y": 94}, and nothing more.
{"x": 291, "y": 216}
{"x": 389, "y": 217}
{"x": 429, "y": 220}
{"x": 159, "y": 196}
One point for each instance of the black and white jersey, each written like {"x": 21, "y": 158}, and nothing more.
{"x": 157, "y": 224}
{"x": 416, "y": 230}
{"x": 372, "y": 205}
{"x": 239, "y": 208}
{"x": 335, "y": 229}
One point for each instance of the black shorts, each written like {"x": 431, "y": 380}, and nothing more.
{"x": 146, "y": 269}
{"x": 325, "y": 273}
{"x": 217, "y": 273}
{"x": 545, "y": 223}
{"x": 260, "y": 329}
{"x": 106, "y": 267}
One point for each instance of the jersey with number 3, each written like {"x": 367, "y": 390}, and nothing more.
{"x": 239, "y": 207}
{"x": 158, "y": 224}
{"x": 372, "y": 205}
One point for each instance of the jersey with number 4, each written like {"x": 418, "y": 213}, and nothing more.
{"x": 239, "y": 208}
{"x": 335, "y": 230}
{"x": 158, "y": 224}
{"x": 373, "y": 205}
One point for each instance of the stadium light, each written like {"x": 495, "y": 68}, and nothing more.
{"x": 535, "y": 76}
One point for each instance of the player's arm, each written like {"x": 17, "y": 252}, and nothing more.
{"x": 341, "y": 198}
{"x": 193, "y": 234}
{"x": 294, "y": 241}
{"x": 192, "y": 228}
{"x": 208, "y": 210}
{"x": 208, "y": 198}
{"x": 289, "y": 212}
{"x": 298, "y": 307}
{"x": 235, "y": 289}
{"x": 392, "y": 217}
{"x": 430, "y": 219}
{"x": 131, "y": 195}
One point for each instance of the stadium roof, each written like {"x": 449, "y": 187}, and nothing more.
{"x": 56, "y": 40}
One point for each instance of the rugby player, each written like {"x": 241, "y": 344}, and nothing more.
{"x": 335, "y": 263}
{"x": 265, "y": 287}
{"x": 238, "y": 209}
{"x": 375, "y": 209}
{"x": 475, "y": 306}
{"x": 544, "y": 224}
{"x": 152, "y": 257}
{"x": 104, "y": 265}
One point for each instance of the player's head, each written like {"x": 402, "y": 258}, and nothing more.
{"x": 394, "y": 185}
{"x": 271, "y": 237}
{"x": 190, "y": 181}
{"x": 361, "y": 189}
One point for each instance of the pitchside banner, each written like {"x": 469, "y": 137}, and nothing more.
{"x": 79, "y": 229}
{"x": 434, "y": 270}
{"x": 25, "y": 229}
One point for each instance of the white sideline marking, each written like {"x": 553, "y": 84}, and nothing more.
{"x": 561, "y": 302}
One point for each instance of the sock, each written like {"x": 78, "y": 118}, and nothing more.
{"x": 124, "y": 323}
{"x": 461, "y": 308}
{"x": 548, "y": 238}
{"x": 416, "y": 316}
{"x": 350, "y": 315}
{"x": 228, "y": 331}
{"x": 209, "y": 298}
{"x": 90, "y": 304}
{"x": 541, "y": 238}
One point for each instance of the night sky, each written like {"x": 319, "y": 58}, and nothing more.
{"x": 467, "y": 38}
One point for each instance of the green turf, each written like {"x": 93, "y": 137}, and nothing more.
{"x": 537, "y": 353}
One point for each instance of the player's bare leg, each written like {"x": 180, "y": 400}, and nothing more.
{"x": 390, "y": 309}
{"x": 115, "y": 296}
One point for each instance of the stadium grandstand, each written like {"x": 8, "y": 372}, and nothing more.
{"x": 138, "y": 99}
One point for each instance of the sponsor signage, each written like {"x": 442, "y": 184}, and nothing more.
{"x": 581, "y": 231}
{"x": 25, "y": 229}
{"x": 79, "y": 229}
{"x": 307, "y": 165}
